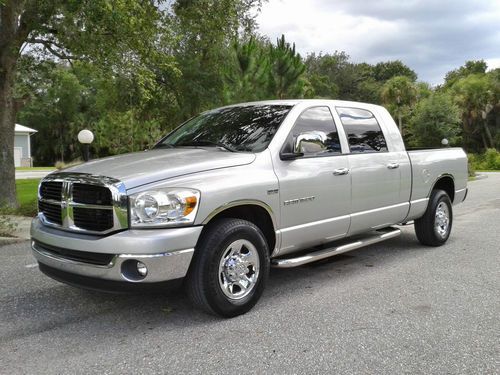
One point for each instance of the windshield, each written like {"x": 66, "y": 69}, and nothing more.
{"x": 240, "y": 128}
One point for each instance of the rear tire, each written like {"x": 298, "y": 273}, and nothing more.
{"x": 434, "y": 227}
{"x": 229, "y": 269}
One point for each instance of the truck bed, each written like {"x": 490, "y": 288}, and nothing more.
{"x": 429, "y": 165}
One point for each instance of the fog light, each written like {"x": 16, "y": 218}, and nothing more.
{"x": 142, "y": 269}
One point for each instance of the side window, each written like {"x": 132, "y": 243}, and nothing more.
{"x": 321, "y": 139}
{"x": 362, "y": 129}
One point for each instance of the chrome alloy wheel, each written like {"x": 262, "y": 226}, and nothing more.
{"x": 239, "y": 269}
{"x": 442, "y": 219}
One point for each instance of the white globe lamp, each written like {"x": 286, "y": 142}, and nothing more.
{"x": 85, "y": 137}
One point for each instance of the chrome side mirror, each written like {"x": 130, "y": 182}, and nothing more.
{"x": 310, "y": 142}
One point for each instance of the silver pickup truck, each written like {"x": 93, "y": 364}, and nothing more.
{"x": 239, "y": 189}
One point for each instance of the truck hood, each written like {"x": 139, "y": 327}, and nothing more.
{"x": 140, "y": 168}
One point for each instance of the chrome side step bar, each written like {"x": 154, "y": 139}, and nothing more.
{"x": 342, "y": 246}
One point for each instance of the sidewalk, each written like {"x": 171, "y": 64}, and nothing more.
{"x": 32, "y": 174}
{"x": 22, "y": 231}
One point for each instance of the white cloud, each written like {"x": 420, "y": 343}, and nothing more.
{"x": 493, "y": 63}
{"x": 432, "y": 37}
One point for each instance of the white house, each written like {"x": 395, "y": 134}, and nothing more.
{"x": 22, "y": 146}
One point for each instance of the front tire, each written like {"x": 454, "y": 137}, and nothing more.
{"x": 434, "y": 227}
{"x": 229, "y": 269}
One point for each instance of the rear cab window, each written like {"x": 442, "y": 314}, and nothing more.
{"x": 362, "y": 129}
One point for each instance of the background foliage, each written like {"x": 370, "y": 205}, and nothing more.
{"x": 138, "y": 69}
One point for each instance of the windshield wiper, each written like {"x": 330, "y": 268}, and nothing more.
{"x": 206, "y": 142}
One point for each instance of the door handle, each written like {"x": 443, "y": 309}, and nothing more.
{"x": 340, "y": 171}
{"x": 393, "y": 165}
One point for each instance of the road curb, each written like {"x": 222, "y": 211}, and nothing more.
{"x": 11, "y": 240}
{"x": 21, "y": 230}
{"x": 480, "y": 176}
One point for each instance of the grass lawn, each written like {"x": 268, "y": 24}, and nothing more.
{"x": 26, "y": 196}
{"x": 35, "y": 168}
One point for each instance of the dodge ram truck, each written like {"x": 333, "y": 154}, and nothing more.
{"x": 236, "y": 190}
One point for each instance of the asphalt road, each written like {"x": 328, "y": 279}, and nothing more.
{"x": 395, "y": 307}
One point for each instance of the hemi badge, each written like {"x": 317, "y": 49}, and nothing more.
{"x": 272, "y": 191}
{"x": 299, "y": 200}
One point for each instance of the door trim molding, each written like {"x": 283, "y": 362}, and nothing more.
{"x": 313, "y": 223}
{"x": 359, "y": 213}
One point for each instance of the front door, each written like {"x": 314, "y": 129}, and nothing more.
{"x": 315, "y": 189}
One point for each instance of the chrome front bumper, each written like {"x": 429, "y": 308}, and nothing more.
{"x": 166, "y": 253}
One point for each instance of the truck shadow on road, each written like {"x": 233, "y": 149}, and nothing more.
{"x": 51, "y": 306}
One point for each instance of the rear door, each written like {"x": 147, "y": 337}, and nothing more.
{"x": 315, "y": 190}
{"x": 375, "y": 172}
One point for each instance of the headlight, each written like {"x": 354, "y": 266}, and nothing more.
{"x": 163, "y": 207}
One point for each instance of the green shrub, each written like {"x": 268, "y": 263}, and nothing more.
{"x": 490, "y": 160}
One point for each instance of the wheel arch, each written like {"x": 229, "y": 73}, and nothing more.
{"x": 445, "y": 182}
{"x": 254, "y": 211}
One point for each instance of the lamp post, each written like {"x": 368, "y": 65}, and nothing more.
{"x": 85, "y": 137}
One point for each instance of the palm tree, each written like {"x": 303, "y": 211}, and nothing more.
{"x": 399, "y": 94}
{"x": 477, "y": 95}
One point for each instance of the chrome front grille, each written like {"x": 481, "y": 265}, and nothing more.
{"x": 91, "y": 194}
{"x": 83, "y": 203}
{"x": 52, "y": 190}
{"x": 93, "y": 219}
{"x": 51, "y": 211}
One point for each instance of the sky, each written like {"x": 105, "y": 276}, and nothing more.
{"x": 431, "y": 37}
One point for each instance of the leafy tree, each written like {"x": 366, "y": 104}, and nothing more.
{"x": 55, "y": 112}
{"x": 332, "y": 75}
{"x": 203, "y": 30}
{"x": 470, "y": 67}
{"x": 384, "y": 71}
{"x": 68, "y": 99}
{"x": 120, "y": 132}
{"x": 493, "y": 116}
{"x": 424, "y": 90}
{"x": 111, "y": 33}
{"x": 323, "y": 87}
{"x": 335, "y": 76}
{"x": 399, "y": 94}
{"x": 435, "y": 117}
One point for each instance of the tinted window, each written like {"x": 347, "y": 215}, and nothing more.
{"x": 362, "y": 129}
{"x": 317, "y": 120}
{"x": 240, "y": 128}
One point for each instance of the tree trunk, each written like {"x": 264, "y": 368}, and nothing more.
{"x": 7, "y": 125}
{"x": 485, "y": 144}
{"x": 400, "y": 122}
{"x": 13, "y": 32}
{"x": 8, "y": 60}
{"x": 488, "y": 134}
